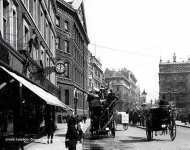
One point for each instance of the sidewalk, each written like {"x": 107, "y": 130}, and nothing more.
{"x": 178, "y": 123}
{"x": 59, "y": 139}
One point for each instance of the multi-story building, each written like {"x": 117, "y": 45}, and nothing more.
{"x": 95, "y": 73}
{"x": 123, "y": 84}
{"x": 134, "y": 89}
{"x": 28, "y": 28}
{"x": 71, "y": 48}
{"x": 27, "y": 52}
{"x": 174, "y": 79}
{"x": 90, "y": 72}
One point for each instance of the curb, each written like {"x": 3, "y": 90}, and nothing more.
{"x": 184, "y": 126}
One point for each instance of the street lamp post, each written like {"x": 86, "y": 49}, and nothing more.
{"x": 75, "y": 100}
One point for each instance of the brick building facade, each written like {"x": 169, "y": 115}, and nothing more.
{"x": 71, "y": 47}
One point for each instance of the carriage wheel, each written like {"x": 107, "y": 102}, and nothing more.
{"x": 172, "y": 130}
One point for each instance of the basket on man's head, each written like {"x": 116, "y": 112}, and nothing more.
{"x": 163, "y": 101}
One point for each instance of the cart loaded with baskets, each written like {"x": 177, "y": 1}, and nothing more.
{"x": 162, "y": 119}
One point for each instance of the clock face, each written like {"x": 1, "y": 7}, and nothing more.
{"x": 60, "y": 68}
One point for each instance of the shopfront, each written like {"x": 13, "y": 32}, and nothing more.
{"x": 24, "y": 106}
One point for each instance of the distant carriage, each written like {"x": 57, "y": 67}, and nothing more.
{"x": 160, "y": 119}
{"x": 101, "y": 112}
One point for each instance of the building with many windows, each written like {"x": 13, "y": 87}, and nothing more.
{"x": 28, "y": 86}
{"x": 71, "y": 48}
{"x": 90, "y": 72}
{"x": 123, "y": 84}
{"x": 174, "y": 79}
{"x": 95, "y": 73}
{"x": 28, "y": 27}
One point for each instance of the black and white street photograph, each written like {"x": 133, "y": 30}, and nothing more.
{"x": 94, "y": 75}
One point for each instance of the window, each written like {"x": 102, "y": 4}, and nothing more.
{"x": 35, "y": 54}
{"x": 66, "y": 25}
{"x": 50, "y": 42}
{"x": 47, "y": 61}
{"x": 75, "y": 54}
{"x": 75, "y": 74}
{"x": 41, "y": 21}
{"x": 53, "y": 45}
{"x": 42, "y": 55}
{"x": 5, "y": 28}
{"x": 66, "y": 46}
{"x": 57, "y": 44}
{"x": 47, "y": 65}
{"x": 52, "y": 75}
{"x": 35, "y": 12}
{"x": 98, "y": 74}
{"x": 67, "y": 69}
{"x": 67, "y": 97}
{"x": 47, "y": 32}
{"x": 57, "y": 21}
{"x": 51, "y": 12}
{"x": 26, "y": 35}
{"x": 5, "y": 19}
{"x": 14, "y": 28}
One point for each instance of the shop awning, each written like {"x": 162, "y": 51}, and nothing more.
{"x": 46, "y": 96}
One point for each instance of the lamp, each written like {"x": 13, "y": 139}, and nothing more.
{"x": 75, "y": 100}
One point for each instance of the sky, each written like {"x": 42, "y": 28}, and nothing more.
{"x": 136, "y": 33}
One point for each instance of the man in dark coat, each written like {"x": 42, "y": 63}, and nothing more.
{"x": 50, "y": 128}
{"x": 72, "y": 134}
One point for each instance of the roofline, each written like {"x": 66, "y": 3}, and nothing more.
{"x": 118, "y": 77}
{"x": 75, "y": 14}
{"x": 174, "y": 63}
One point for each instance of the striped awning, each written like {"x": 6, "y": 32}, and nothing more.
{"x": 44, "y": 95}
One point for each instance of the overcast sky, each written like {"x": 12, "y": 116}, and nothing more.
{"x": 136, "y": 33}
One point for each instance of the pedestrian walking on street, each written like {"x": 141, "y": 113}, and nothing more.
{"x": 72, "y": 134}
{"x": 80, "y": 132}
{"x": 50, "y": 129}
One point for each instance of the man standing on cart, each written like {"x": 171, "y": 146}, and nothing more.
{"x": 163, "y": 101}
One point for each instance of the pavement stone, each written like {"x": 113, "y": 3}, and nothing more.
{"x": 58, "y": 141}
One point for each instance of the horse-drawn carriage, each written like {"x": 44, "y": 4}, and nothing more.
{"x": 101, "y": 112}
{"x": 162, "y": 119}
